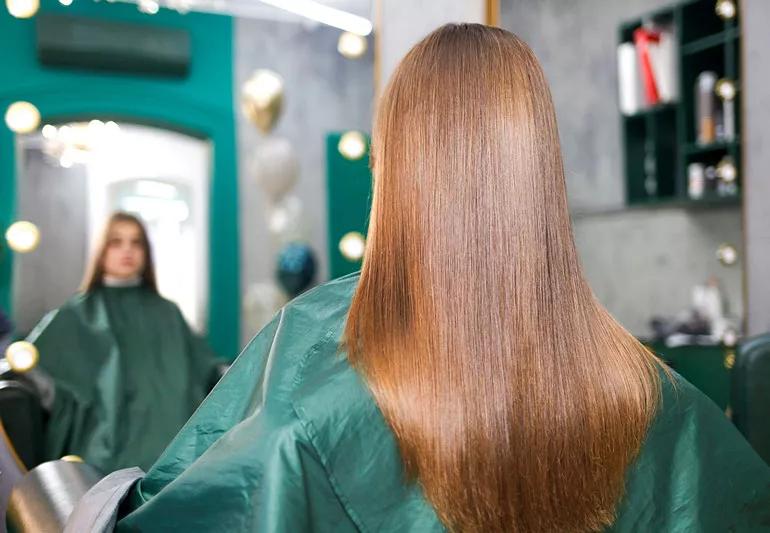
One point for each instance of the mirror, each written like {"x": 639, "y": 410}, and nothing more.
{"x": 72, "y": 176}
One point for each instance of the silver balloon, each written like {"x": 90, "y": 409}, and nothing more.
{"x": 275, "y": 168}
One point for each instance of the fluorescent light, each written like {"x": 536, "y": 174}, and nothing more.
{"x": 325, "y": 15}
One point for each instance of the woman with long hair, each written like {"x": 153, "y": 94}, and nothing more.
{"x": 467, "y": 379}
{"x": 128, "y": 372}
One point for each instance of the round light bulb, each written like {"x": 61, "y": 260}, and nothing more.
{"x": 65, "y": 2}
{"x": 22, "y": 236}
{"x": 725, "y": 89}
{"x": 22, "y": 117}
{"x": 50, "y": 132}
{"x": 351, "y": 45}
{"x": 727, "y": 254}
{"x": 72, "y": 459}
{"x": 352, "y": 246}
{"x": 150, "y": 7}
{"x": 727, "y": 171}
{"x": 726, "y": 9}
{"x": 111, "y": 127}
{"x": 352, "y": 145}
{"x": 22, "y": 9}
{"x": 22, "y": 356}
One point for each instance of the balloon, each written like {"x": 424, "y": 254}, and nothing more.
{"x": 275, "y": 167}
{"x": 296, "y": 268}
{"x": 260, "y": 303}
{"x": 262, "y": 99}
{"x": 284, "y": 219}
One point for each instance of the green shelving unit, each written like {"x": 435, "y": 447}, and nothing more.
{"x": 706, "y": 367}
{"x": 660, "y": 142}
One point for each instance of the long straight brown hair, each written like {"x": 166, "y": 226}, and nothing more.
{"x": 94, "y": 276}
{"x": 517, "y": 401}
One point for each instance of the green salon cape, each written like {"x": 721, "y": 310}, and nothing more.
{"x": 291, "y": 440}
{"x": 128, "y": 373}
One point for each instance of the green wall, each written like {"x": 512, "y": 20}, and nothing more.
{"x": 200, "y": 104}
{"x": 348, "y": 187}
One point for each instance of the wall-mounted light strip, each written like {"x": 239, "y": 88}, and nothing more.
{"x": 309, "y": 9}
{"x": 325, "y": 15}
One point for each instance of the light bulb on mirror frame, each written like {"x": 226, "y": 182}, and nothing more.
{"x": 727, "y": 254}
{"x": 50, "y": 132}
{"x": 22, "y": 356}
{"x": 22, "y": 9}
{"x": 726, "y": 9}
{"x": 22, "y": 117}
{"x": 22, "y": 236}
{"x": 148, "y": 7}
{"x": 352, "y": 145}
{"x": 725, "y": 89}
{"x": 352, "y": 246}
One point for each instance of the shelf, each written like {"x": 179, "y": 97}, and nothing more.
{"x": 712, "y": 200}
{"x": 720, "y": 146}
{"x": 687, "y": 202}
{"x": 660, "y": 141}
{"x": 660, "y": 108}
{"x": 711, "y": 41}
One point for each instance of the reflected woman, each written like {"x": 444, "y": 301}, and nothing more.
{"x": 128, "y": 371}
{"x": 467, "y": 379}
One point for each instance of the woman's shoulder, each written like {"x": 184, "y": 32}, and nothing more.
{"x": 694, "y": 468}
{"x": 302, "y": 345}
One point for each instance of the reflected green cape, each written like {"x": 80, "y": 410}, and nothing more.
{"x": 291, "y": 440}
{"x": 128, "y": 374}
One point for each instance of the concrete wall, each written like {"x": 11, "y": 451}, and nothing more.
{"x": 756, "y": 157}
{"x": 402, "y": 23}
{"x": 323, "y": 92}
{"x": 640, "y": 262}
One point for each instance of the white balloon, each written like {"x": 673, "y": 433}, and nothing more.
{"x": 284, "y": 219}
{"x": 275, "y": 167}
{"x": 260, "y": 303}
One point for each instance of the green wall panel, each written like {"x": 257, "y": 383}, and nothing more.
{"x": 200, "y": 104}
{"x": 348, "y": 186}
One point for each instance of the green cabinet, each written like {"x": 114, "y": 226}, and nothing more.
{"x": 660, "y": 142}
{"x": 706, "y": 367}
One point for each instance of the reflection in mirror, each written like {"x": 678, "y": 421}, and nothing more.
{"x": 72, "y": 176}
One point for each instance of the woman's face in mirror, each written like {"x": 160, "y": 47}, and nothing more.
{"x": 124, "y": 256}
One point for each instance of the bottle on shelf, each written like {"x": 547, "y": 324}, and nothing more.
{"x": 705, "y": 108}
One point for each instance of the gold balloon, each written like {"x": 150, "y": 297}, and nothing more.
{"x": 262, "y": 99}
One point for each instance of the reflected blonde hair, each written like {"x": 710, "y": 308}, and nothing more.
{"x": 517, "y": 401}
{"x": 94, "y": 276}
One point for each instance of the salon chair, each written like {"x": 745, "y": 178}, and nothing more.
{"x": 750, "y": 394}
